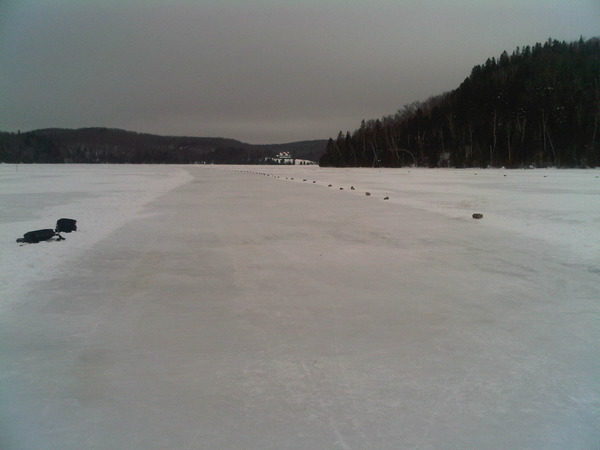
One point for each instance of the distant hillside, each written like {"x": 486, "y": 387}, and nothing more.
{"x": 540, "y": 105}
{"x": 107, "y": 145}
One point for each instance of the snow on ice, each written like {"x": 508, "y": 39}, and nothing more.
{"x": 257, "y": 307}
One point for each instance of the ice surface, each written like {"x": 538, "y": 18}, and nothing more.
{"x": 561, "y": 207}
{"x": 100, "y": 197}
{"x": 228, "y": 307}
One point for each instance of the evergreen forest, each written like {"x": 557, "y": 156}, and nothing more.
{"x": 539, "y": 106}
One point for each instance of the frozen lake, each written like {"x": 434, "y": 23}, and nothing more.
{"x": 235, "y": 307}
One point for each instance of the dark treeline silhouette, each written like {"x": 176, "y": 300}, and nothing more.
{"x": 106, "y": 145}
{"x": 538, "y": 106}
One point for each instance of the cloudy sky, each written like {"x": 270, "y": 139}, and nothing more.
{"x": 261, "y": 71}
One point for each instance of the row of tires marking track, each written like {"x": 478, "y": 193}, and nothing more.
{"x": 304, "y": 180}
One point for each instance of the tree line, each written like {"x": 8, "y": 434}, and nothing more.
{"x": 107, "y": 145}
{"x": 538, "y": 106}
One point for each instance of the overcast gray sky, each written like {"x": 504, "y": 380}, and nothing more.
{"x": 261, "y": 71}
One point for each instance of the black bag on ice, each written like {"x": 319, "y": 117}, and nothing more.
{"x": 33, "y": 237}
{"x": 66, "y": 225}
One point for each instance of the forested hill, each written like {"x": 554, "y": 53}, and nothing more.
{"x": 108, "y": 145}
{"x": 538, "y": 106}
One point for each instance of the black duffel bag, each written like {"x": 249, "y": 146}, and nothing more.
{"x": 66, "y": 225}
{"x": 33, "y": 237}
